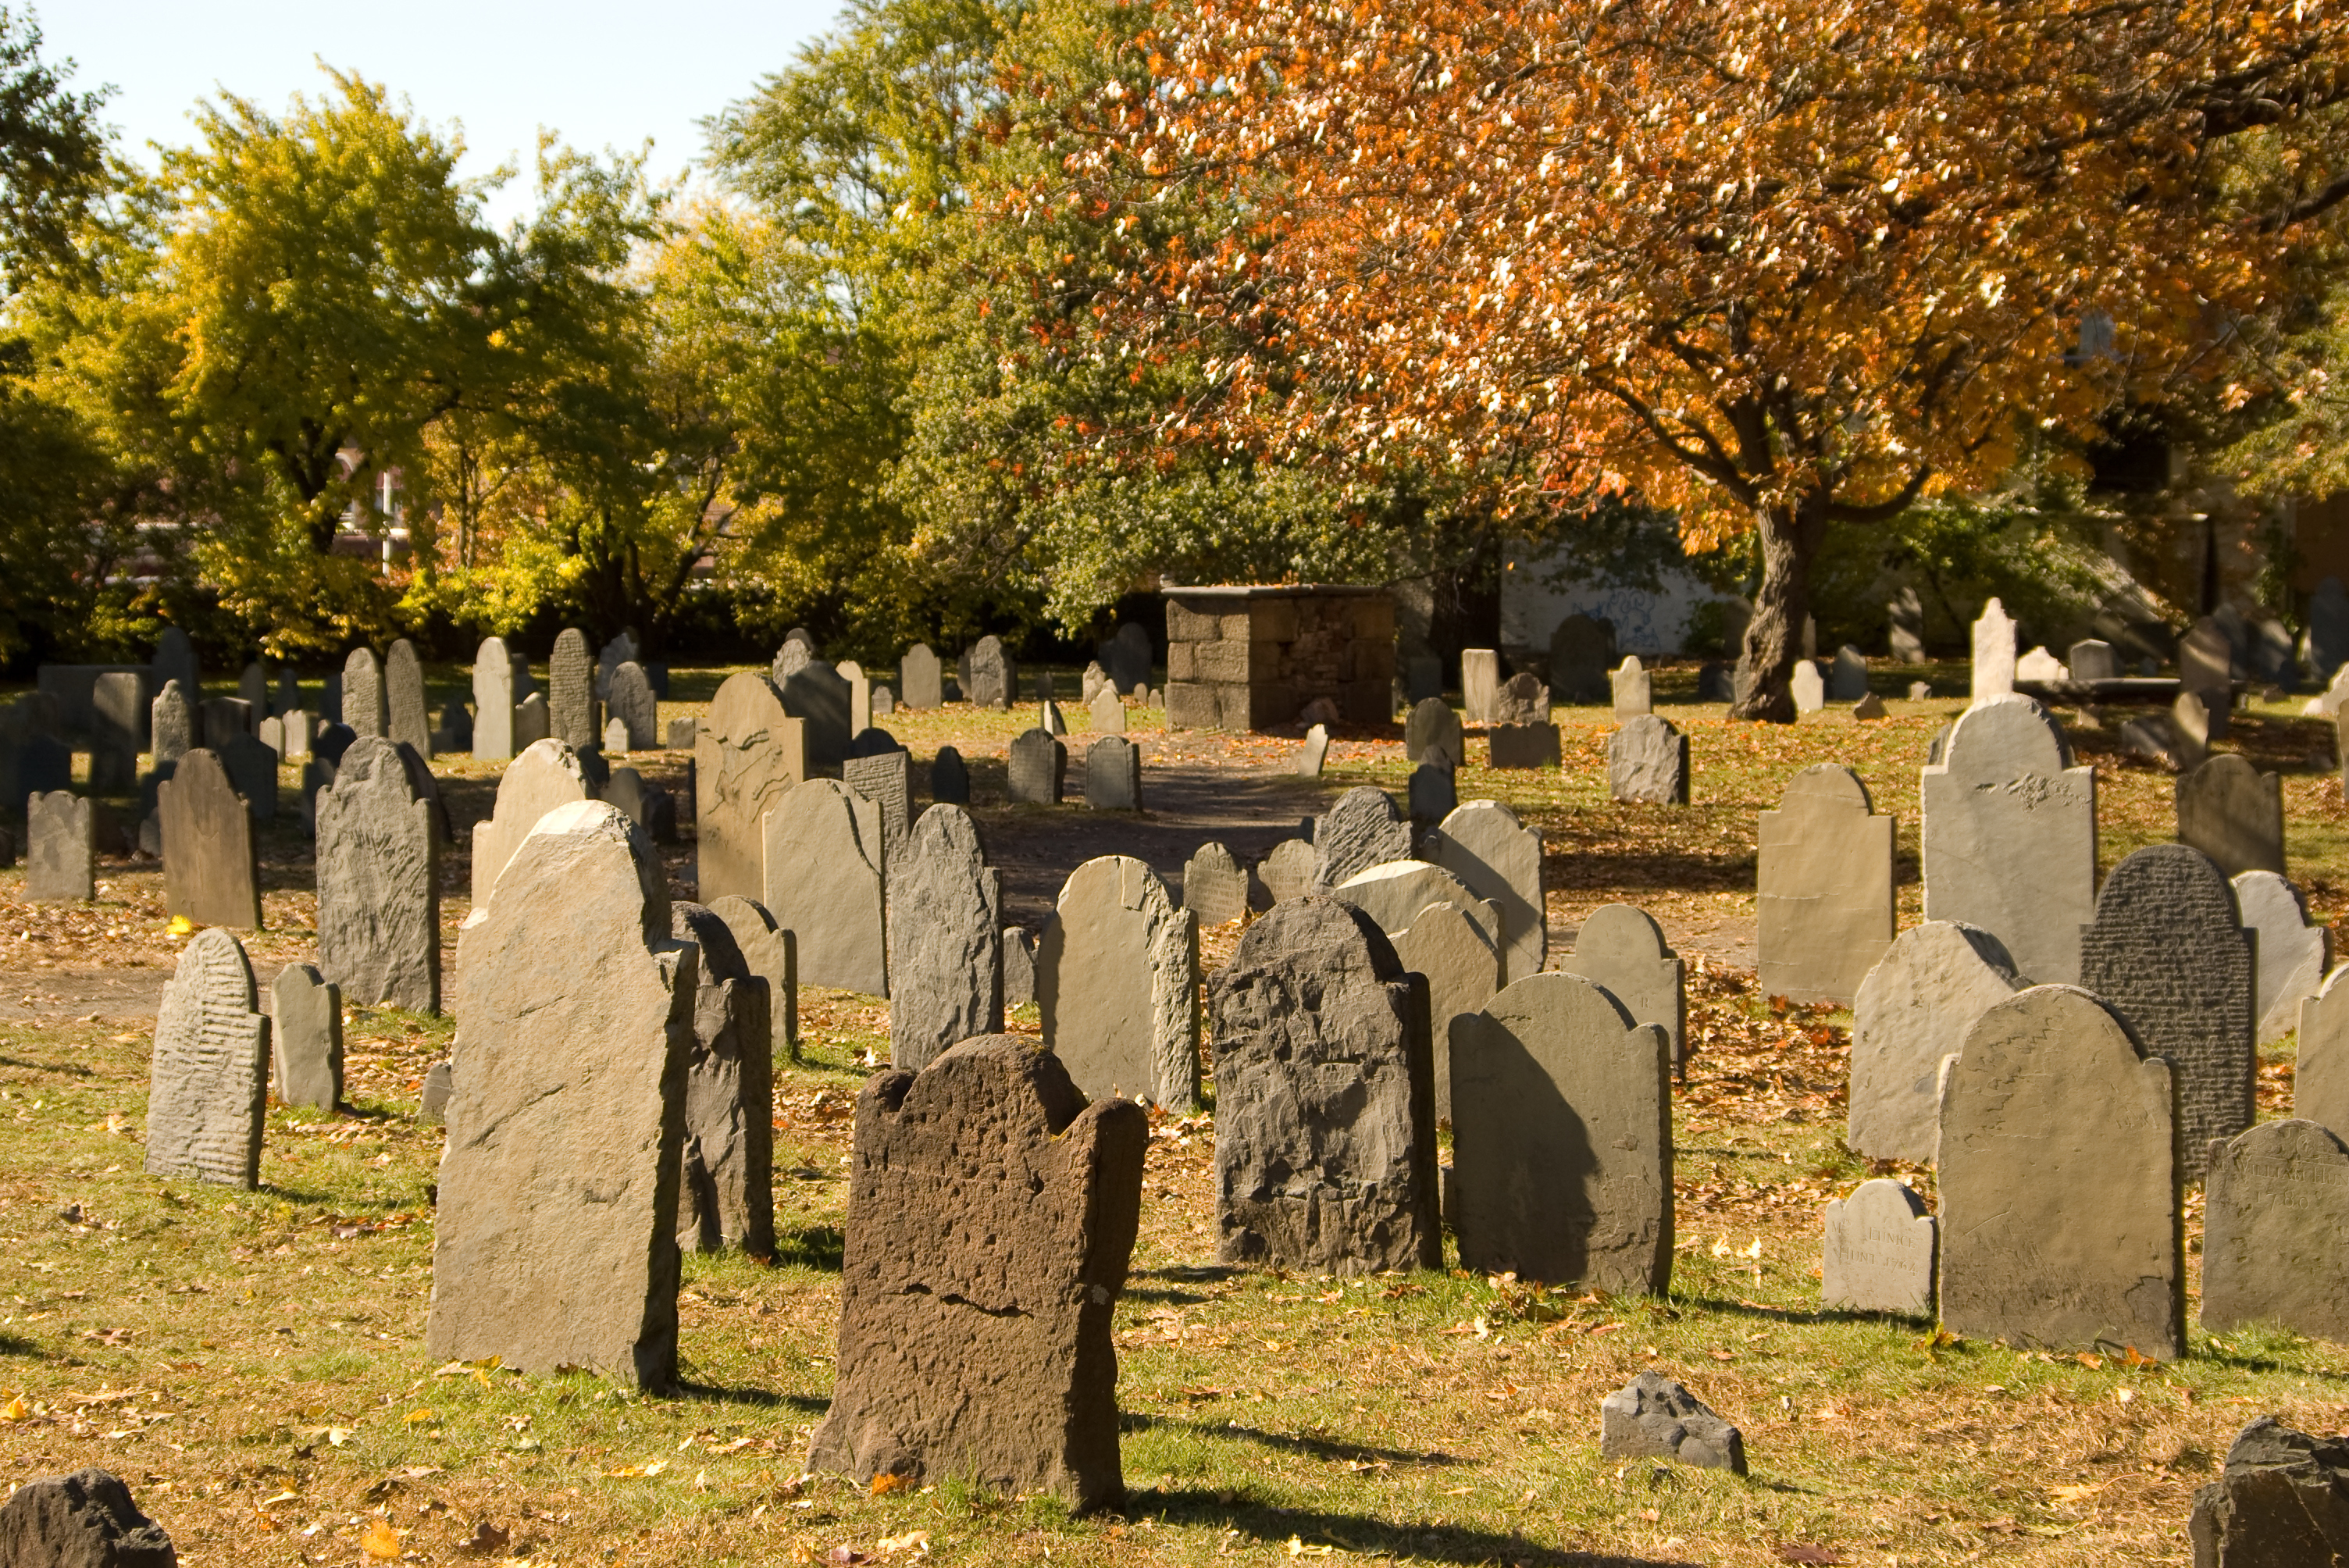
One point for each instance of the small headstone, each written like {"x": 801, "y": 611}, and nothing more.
{"x": 2041, "y": 667}
{"x": 990, "y": 677}
{"x": 305, "y": 1034}
{"x": 547, "y": 774}
{"x": 1809, "y": 689}
{"x": 945, "y": 916}
{"x": 1091, "y": 681}
{"x": 433, "y": 1097}
{"x": 1648, "y": 761}
{"x": 2233, "y": 813}
{"x": 1117, "y": 983}
{"x": 1868, "y": 707}
{"x": 175, "y": 660}
{"x": 1825, "y": 876}
{"x": 1654, "y": 1417}
{"x": 2276, "y": 1213}
{"x": 1480, "y": 681}
{"x": 1847, "y": 680}
{"x": 2281, "y": 1501}
{"x": 682, "y": 733}
{"x": 1019, "y": 967}
{"x": 367, "y": 707}
{"x": 209, "y": 874}
{"x": 918, "y": 674}
{"x": 1905, "y": 635}
{"x": 2292, "y": 954}
{"x": 1432, "y": 731}
{"x": 1287, "y": 872}
{"x": 1215, "y": 885}
{"x": 1879, "y": 1252}
{"x": 378, "y": 890}
{"x": 409, "y": 717}
{"x": 573, "y": 714}
{"x": 949, "y": 780}
{"x": 748, "y": 754}
{"x": 208, "y": 1085}
{"x": 272, "y": 734}
{"x": 1037, "y": 770}
{"x": 726, "y": 1192}
{"x": 886, "y": 779}
{"x": 61, "y": 848}
{"x": 982, "y": 1347}
{"x": 1913, "y": 1013}
{"x": 1315, "y": 751}
{"x": 1521, "y": 699}
{"x": 826, "y": 885}
{"x": 884, "y": 703}
{"x": 1361, "y": 830}
{"x": 86, "y": 1520}
{"x": 493, "y": 702}
{"x": 2092, "y": 660}
{"x": 171, "y": 720}
{"x": 1499, "y": 859}
{"x": 1126, "y": 658}
{"x": 2191, "y": 727}
{"x": 1108, "y": 714}
{"x": 1622, "y": 949}
{"x": 1921, "y": 691}
{"x": 1993, "y": 647}
{"x": 2010, "y": 836}
{"x": 532, "y": 723}
{"x": 636, "y": 708}
{"x": 817, "y": 696}
{"x": 771, "y": 954}
{"x": 1432, "y": 793}
{"x": 1581, "y": 652}
{"x": 1716, "y": 681}
{"x": 120, "y": 707}
{"x": 616, "y": 738}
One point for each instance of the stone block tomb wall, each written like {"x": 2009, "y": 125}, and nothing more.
{"x": 1241, "y": 657}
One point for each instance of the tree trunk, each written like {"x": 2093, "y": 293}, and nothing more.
{"x": 1790, "y": 536}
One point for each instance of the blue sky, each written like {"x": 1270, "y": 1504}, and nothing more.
{"x": 602, "y": 74}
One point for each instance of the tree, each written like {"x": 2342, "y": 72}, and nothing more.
{"x": 52, "y": 152}
{"x": 1781, "y": 268}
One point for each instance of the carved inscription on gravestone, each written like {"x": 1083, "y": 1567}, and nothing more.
{"x": 209, "y": 1083}
{"x": 1879, "y": 1252}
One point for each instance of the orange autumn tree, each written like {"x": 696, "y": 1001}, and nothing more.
{"x": 1779, "y": 265}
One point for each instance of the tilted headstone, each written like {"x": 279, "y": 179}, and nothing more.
{"x": 1117, "y": 984}
{"x": 1287, "y": 872}
{"x": 949, "y": 780}
{"x": 1315, "y": 751}
{"x": 1499, "y": 859}
{"x": 175, "y": 660}
{"x": 2167, "y": 952}
{"x": 209, "y": 874}
{"x": 1562, "y": 1145}
{"x": 532, "y": 723}
{"x": 1050, "y": 719}
{"x": 171, "y": 721}
{"x": 1632, "y": 687}
{"x": 1113, "y": 775}
{"x": 1215, "y": 885}
{"x": 573, "y": 714}
{"x": 825, "y": 883}
{"x": 2206, "y": 661}
{"x": 2010, "y": 836}
{"x": 1622, "y": 949}
{"x": 1809, "y": 688}
{"x": 1480, "y": 680}
{"x": 86, "y": 1520}
{"x": 2320, "y": 1084}
{"x": 1325, "y": 1117}
{"x": 1019, "y": 967}
{"x": 1879, "y": 1252}
{"x": 1913, "y": 1012}
{"x": 1648, "y": 761}
{"x": 208, "y": 1085}
{"x": 817, "y": 696}
{"x": 884, "y": 777}
{"x": 117, "y": 731}
{"x": 1106, "y": 712}
{"x": 945, "y": 944}
{"x": 1581, "y": 652}
{"x": 1993, "y": 647}
{"x": 379, "y": 887}
{"x": 409, "y": 716}
{"x": 1523, "y": 746}
{"x": 918, "y": 674}
{"x": 1825, "y": 876}
{"x": 2058, "y": 1185}
{"x": 2291, "y": 955}
{"x": 1433, "y": 730}
{"x": 1037, "y": 770}
{"x": 2282, "y": 1499}
{"x": 1360, "y": 830}
{"x": 981, "y": 1347}
{"x": 2233, "y": 813}
{"x": 547, "y": 774}
{"x": 2275, "y": 1232}
{"x": 306, "y": 1035}
{"x": 748, "y": 754}
{"x": 1654, "y": 1416}
{"x": 990, "y": 677}
{"x": 61, "y": 848}
{"x": 366, "y": 705}
{"x": 771, "y": 954}
{"x": 634, "y": 705}
{"x": 725, "y": 1164}
{"x": 1521, "y": 699}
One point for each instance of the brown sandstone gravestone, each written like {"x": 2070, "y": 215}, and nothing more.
{"x": 1825, "y": 881}
{"x": 2273, "y": 1231}
{"x": 2320, "y": 1085}
{"x": 726, "y": 1191}
{"x": 61, "y": 848}
{"x": 1117, "y": 984}
{"x": 409, "y": 716}
{"x": 945, "y": 944}
{"x": 86, "y": 1520}
{"x": 1325, "y": 1122}
{"x": 1562, "y": 1141}
{"x": 1215, "y": 885}
{"x": 2059, "y": 1184}
{"x": 748, "y": 754}
{"x": 378, "y": 888}
{"x": 1913, "y": 1011}
{"x": 493, "y": 702}
{"x": 306, "y": 1032}
{"x": 573, "y": 714}
{"x": 209, "y": 874}
{"x": 2233, "y": 813}
{"x": 1647, "y": 760}
{"x": 771, "y": 954}
{"x": 546, "y": 774}
{"x": 991, "y": 1218}
{"x": 1879, "y": 1252}
{"x": 827, "y": 886}
{"x": 554, "y": 1237}
{"x": 2291, "y": 955}
{"x": 918, "y": 672}
{"x": 1622, "y": 949}
{"x": 208, "y": 1087}
{"x": 367, "y": 709}
{"x": 1499, "y": 859}
{"x": 1361, "y": 830}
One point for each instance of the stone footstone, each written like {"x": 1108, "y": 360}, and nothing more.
{"x": 1325, "y": 1124}
{"x": 1633, "y": 689}
{"x": 1869, "y": 708}
{"x": 1653, "y": 1416}
{"x": 406, "y": 713}
{"x": 493, "y": 701}
{"x": 2059, "y": 1188}
{"x": 306, "y": 1032}
{"x": 918, "y": 674}
{"x": 86, "y": 1520}
{"x": 1581, "y": 652}
{"x": 1215, "y": 885}
{"x": 61, "y": 848}
{"x": 1879, "y": 1252}
{"x": 1361, "y": 830}
{"x": 725, "y": 1164}
{"x": 208, "y": 1087}
{"x": 1117, "y": 984}
{"x": 2281, "y": 1501}
{"x": 1038, "y": 771}
{"x": 547, "y": 774}
{"x": 1824, "y": 877}
{"x": 1480, "y": 679}
{"x": 2009, "y": 836}
{"x": 367, "y": 707}
{"x": 949, "y": 780}
{"x": 1562, "y": 1145}
{"x": 1113, "y": 775}
{"x": 1287, "y": 872}
{"x": 1019, "y": 967}
{"x": 379, "y": 887}
{"x": 1994, "y": 646}
{"x": 209, "y": 874}
{"x": 1648, "y": 761}
{"x": 573, "y": 714}
{"x": 990, "y": 677}
{"x": 2276, "y": 1216}
{"x": 1315, "y": 752}
{"x": 1433, "y": 730}
{"x": 749, "y": 755}
{"x": 1913, "y": 1012}
{"x": 827, "y": 884}
{"x": 171, "y": 722}
{"x": 2233, "y": 813}
{"x": 771, "y": 954}
{"x": 945, "y": 944}
{"x": 1523, "y": 746}
{"x": 997, "y": 1215}
{"x": 554, "y": 1236}
{"x": 1522, "y": 700}
{"x": 1621, "y": 949}
{"x": 1499, "y": 859}
{"x": 634, "y": 705}
{"x": 2291, "y": 956}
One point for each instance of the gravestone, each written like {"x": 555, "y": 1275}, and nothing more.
{"x": 271, "y": 732}
{"x": 117, "y": 731}
{"x": 2290, "y": 956}
{"x": 1113, "y": 775}
{"x": 175, "y": 660}
{"x": 547, "y": 774}
{"x": 2191, "y": 729}
{"x": 2206, "y": 660}
{"x": 1106, "y": 712}
{"x": 1455, "y": 948}
{"x": 2233, "y": 813}
{"x": 293, "y": 733}
{"x": 884, "y": 703}
{"x": 884, "y": 775}
{"x": 1825, "y": 876}
{"x": 2276, "y": 1213}
{"x": 1879, "y": 1252}
{"x": 1653, "y": 1416}
{"x": 2059, "y": 1189}
{"x": 209, "y": 874}
{"x": 1905, "y": 631}
{"x": 2281, "y": 1500}
{"x": 1422, "y": 679}
{"x": 1117, "y": 984}
{"x": 171, "y": 723}
{"x": 1480, "y": 681}
{"x": 919, "y": 674}
{"x": 1019, "y": 967}
{"x": 1215, "y": 885}
{"x": 2168, "y": 953}
{"x": 2041, "y": 667}
{"x": 289, "y": 691}
{"x": 1810, "y": 691}
{"x": 61, "y": 848}
{"x": 86, "y": 1520}
{"x": 1127, "y": 658}
{"x": 1325, "y": 1124}
{"x": 531, "y": 722}
{"x": 795, "y": 656}
{"x": 252, "y": 770}
{"x": 826, "y": 885}
{"x": 726, "y": 1163}
{"x": 1523, "y": 746}
{"x": 634, "y": 705}
{"x": 2320, "y": 1085}
{"x": 949, "y": 780}
{"x": 555, "y": 1232}
{"x": 1038, "y": 771}
{"x": 622, "y": 649}
{"x": 408, "y": 716}
{"x": 1716, "y": 681}
{"x": 1847, "y": 680}
{"x": 748, "y": 755}
{"x": 990, "y": 677}
{"x": 1648, "y": 761}
{"x": 1315, "y": 751}
{"x": 1433, "y": 730}
{"x": 330, "y": 701}
{"x": 305, "y": 1034}
{"x": 1562, "y": 1144}
{"x": 1050, "y": 719}
{"x": 367, "y": 705}
{"x": 1622, "y": 949}
{"x": 455, "y": 730}
{"x": 2092, "y": 660}
{"x": 1869, "y": 708}
{"x": 682, "y": 732}
{"x": 981, "y": 1348}
{"x": 378, "y": 891}
{"x": 1360, "y": 830}
{"x": 1393, "y": 892}
{"x": 818, "y": 698}
{"x": 222, "y": 719}
{"x": 1581, "y": 651}
{"x": 1993, "y": 647}
{"x": 1287, "y": 872}
{"x": 1521, "y": 699}
{"x": 945, "y": 943}
{"x": 208, "y": 1085}
{"x": 1633, "y": 690}
{"x": 2010, "y": 836}
{"x": 43, "y": 764}
{"x": 1091, "y": 681}
{"x": 1499, "y": 859}
{"x": 771, "y": 954}
{"x": 1432, "y": 792}
{"x": 573, "y": 714}
{"x": 1913, "y": 1012}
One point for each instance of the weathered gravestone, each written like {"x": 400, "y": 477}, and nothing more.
{"x": 1825, "y": 881}
{"x": 306, "y": 1035}
{"x": 2189, "y": 731}
{"x": 795, "y": 655}
{"x": 990, "y": 677}
{"x": 860, "y": 698}
{"x": 1622, "y": 949}
{"x": 1905, "y": 631}
{"x": 1325, "y": 1116}
{"x": 61, "y": 848}
{"x": 171, "y": 723}
{"x": 918, "y": 674}
{"x": 1315, "y": 751}
{"x": 1994, "y": 646}
{"x": 1562, "y": 1142}
{"x": 409, "y": 717}
{"x": 1879, "y": 1252}
{"x": 366, "y": 707}
{"x": 881, "y": 771}
{"x": 2091, "y": 660}
{"x": 681, "y": 733}
{"x": 993, "y": 1214}
{"x": 1360, "y": 830}
{"x": 636, "y": 708}
{"x": 1913, "y": 1012}
{"x": 748, "y": 754}
{"x": 1442, "y": 931}
{"x": 252, "y": 686}
{"x": 1480, "y": 680}
{"x": 726, "y": 1163}
{"x": 209, "y": 874}
{"x": 1433, "y": 795}
{"x": 2291, "y": 955}
{"x": 815, "y": 694}
{"x": 1810, "y": 691}
{"x": 1869, "y": 708}
{"x": 648, "y": 805}
{"x": 573, "y": 714}
{"x": 1037, "y": 770}
{"x": 949, "y": 780}
{"x": 531, "y": 722}
{"x": 1847, "y": 680}
{"x": 43, "y": 764}
{"x": 208, "y": 1087}
{"x": 224, "y": 718}
{"x": 1215, "y": 885}
{"x": 294, "y": 730}
{"x": 2233, "y": 813}
{"x": 1106, "y": 712}
{"x": 1433, "y": 730}
{"x": 1633, "y": 689}
{"x": 1050, "y": 719}
{"x": 2010, "y": 835}
{"x": 175, "y": 660}
{"x": 945, "y": 943}
{"x": 2320, "y": 1085}
{"x": 1499, "y": 859}
{"x": 493, "y": 702}
{"x": 2281, "y": 1501}
{"x": 2058, "y": 1183}
{"x": 884, "y": 703}
{"x": 615, "y": 741}
{"x": 2275, "y": 1230}
{"x": 1521, "y": 699}
{"x": 1647, "y": 760}
{"x": 1287, "y": 872}
{"x": 1654, "y": 1416}
{"x": 1127, "y": 658}
{"x": 378, "y": 891}
{"x": 1113, "y": 775}
{"x": 2167, "y": 952}
{"x": 547, "y": 774}
{"x": 252, "y": 767}
{"x": 826, "y": 883}
{"x": 771, "y": 954}
{"x": 118, "y": 703}
{"x": 1117, "y": 984}
{"x": 555, "y": 1235}
{"x": 86, "y": 1520}
{"x": 1581, "y": 651}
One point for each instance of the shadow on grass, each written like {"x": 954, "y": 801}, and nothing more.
{"x": 758, "y": 1398}
{"x": 1287, "y": 1442}
{"x": 1371, "y": 1536}
{"x": 17, "y": 1344}
{"x": 818, "y": 1247}
{"x": 63, "y": 1070}
{"x": 1803, "y": 1316}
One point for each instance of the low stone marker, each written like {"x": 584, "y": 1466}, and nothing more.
{"x": 1848, "y": 679}
{"x": 1879, "y": 1252}
{"x": 409, "y": 715}
{"x": 61, "y": 848}
{"x": 826, "y": 883}
{"x": 1113, "y": 775}
{"x": 1562, "y": 1145}
{"x": 1994, "y": 667}
{"x": 1117, "y": 984}
{"x": 949, "y": 780}
{"x": 2009, "y": 836}
{"x": 1809, "y": 689}
{"x": 2233, "y": 813}
{"x": 1825, "y": 887}
{"x": 573, "y": 714}
{"x": 918, "y": 674}
{"x": 2058, "y": 1184}
{"x": 86, "y": 1520}
{"x": 990, "y": 677}
{"x": 555, "y": 1235}
{"x": 946, "y": 954}
{"x": 1433, "y": 730}
{"x": 1622, "y": 949}
{"x": 1215, "y": 885}
{"x": 209, "y": 874}
{"x": 1315, "y": 752}
{"x": 1633, "y": 690}
{"x": 2278, "y": 1502}
{"x": 981, "y": 1347}
{"x": 1325, "y": 1124}
{"x": 1581, "y": 652}
{"x": 1499, "y": 859}
{"x": 1522, "y": 746}
{"x": 634, "y": 705}
{"x": 208, "y": 1085}
{"x": 1653, "y": 1416}
{"x": 748, "y": 754}
{"x": 1647, "y": 760}
{"x": 725, "y": 1164}
{"x": 547, "y": 774}
{"x": 2273, "y": 1231}
{"x": 1037, "y": 770}
{"x": 367, "y": 709}
{"x": 1360, "y": 830}
{"x": 1480, "y": 679}
{"x": 2291, "y": 956}
{"x": 1914, "y": 1010}
{"x": 1869, "y": 708}
{"x": 379, "y": 887}
{"x": 1287, "y": 872}
{"x": 771, "y": 954}
{"x": 306, "y": 1032}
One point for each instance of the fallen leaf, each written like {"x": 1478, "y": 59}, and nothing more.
{"x": 379, "y": 1542}
{"x": 2088, "y": 1359}
{"x": 423, "y": 1418}
{"x": 486, "y": 1538}
{"x": 914, "y": 1540}
{"x": 2075, "y": 1493}
{"x": 16, "y": 1409}
{"x": 1297, "y": 1548}
{"x": 884, "y": 1483}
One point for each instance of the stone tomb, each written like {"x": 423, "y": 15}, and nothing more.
{"x": 1252, "y": 657}
{"x": 990, "y": 677}
{"x": 2291, "y": 955}
{"x": 493, "y": 702}
{"x": 945, "y": 944}
{"x": 747, "y": 756}
{"x": 827, "y": 886}
{"x": 1215, "y": 885}
{"x": 1113, "y": 775}
{"x": 2320, "y": 1084}
{"x": 994, "y": 1218}
{"x": 1433, "y": 730}
{"x": 1117, "y": 983}
{"x": 378, "y": 891}
{"x": 1647, "y": 760}
{"x": 1994, "y": 667}
{"x": 1622, "y": 949}
{"x": 1499, "y": 859}
{"x": 1913, "y": 1012}
{"x": 209, "y": 874}
{"x": 61, "y": 848}
{"x": 305, "y": 1029}
{"x": 366, "y": 707}
{"x": 2059, "y": 1188}
{"x": 1562, "y": 1144}
{"x": 554, "y": 1237}
{"x": 1037, "y": 770}
{"x": 547, "y": 774}
{"x": 771, "y": 954}
{"x": 920, "y": 673}
{"x": 208, "y": 1087}
{"x": 573, "y": 714}
{"x": 2233, "y": 813}
{"x": 1825, "y": 887}
{"x": 2275, "y": 1232}
{"x": 1325, "y": 1124}
{"x": 1879, "y": 1252}
{"x": 634, "y": 705}
{"x": 1360, "y": 830}
{"x": 726, "y": 1192}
